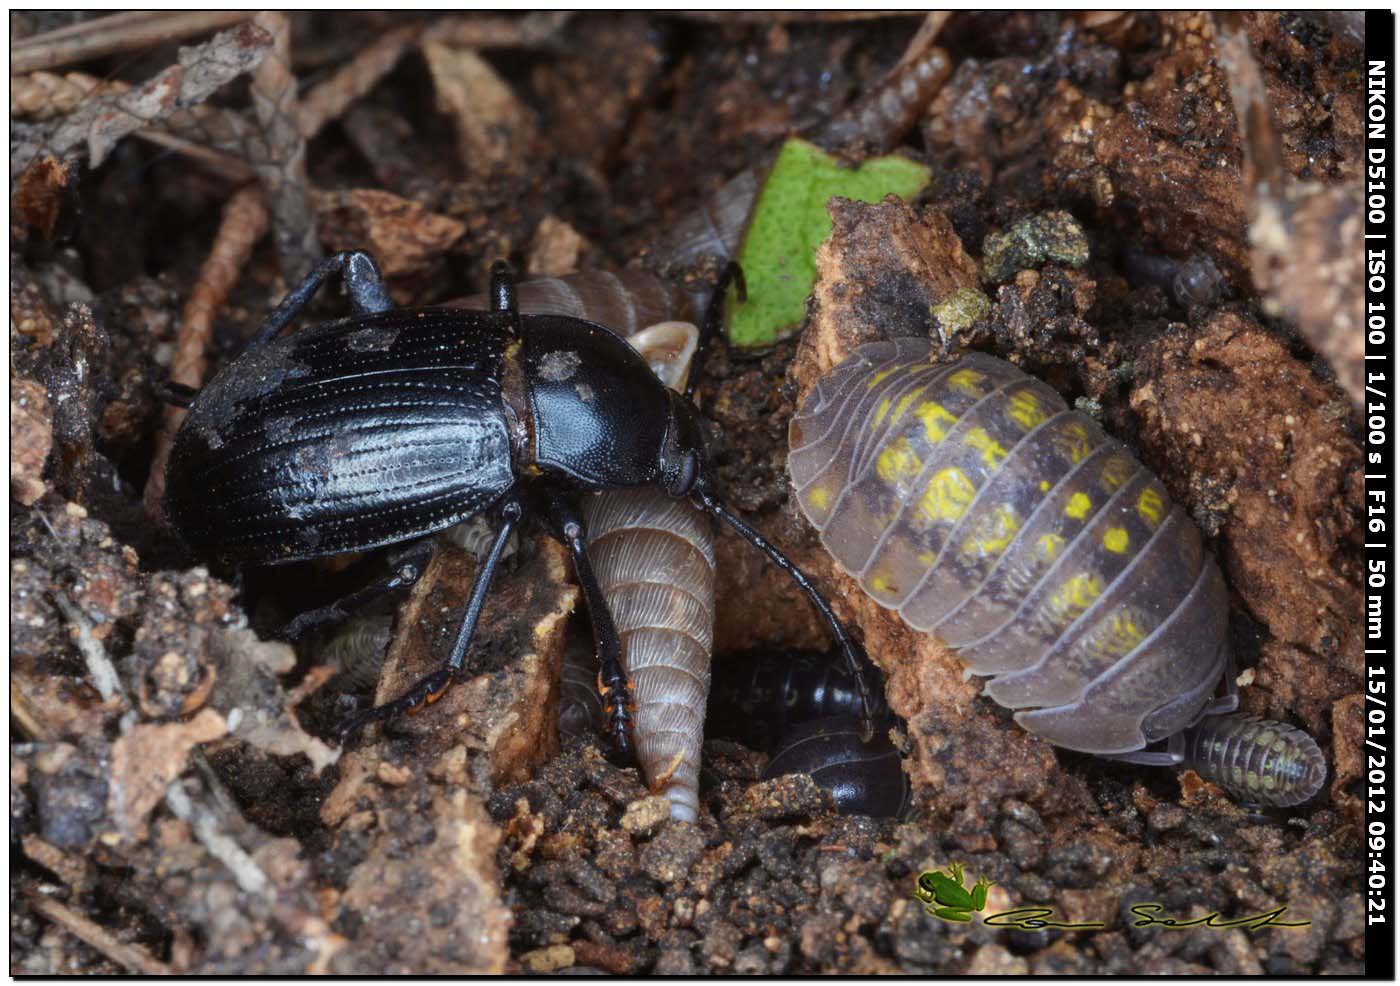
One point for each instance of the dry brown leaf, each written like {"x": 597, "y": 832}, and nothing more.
{"x": 403, "y": 236}
{"x": 146, "y": 759}
{"x": 493, "y": 127}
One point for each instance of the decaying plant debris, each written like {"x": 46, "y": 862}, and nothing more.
{"x": 177, "y": 799}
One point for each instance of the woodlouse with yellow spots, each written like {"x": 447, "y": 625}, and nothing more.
{"x": 969, "y": 498}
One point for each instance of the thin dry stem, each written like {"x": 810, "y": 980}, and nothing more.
{"x": 42, "y": 95}
{"x": 130, "y": 957}
{"x": 246, "y": 872}
{"x": 535, "y": 30}
{"x": 120, "y": 32}
{"x": 100, "y": 669}
{"x": 245, "y": 220}
{"x": 99, "y": 122}
{"x": 1264, "y": 173}
{"x": 280, "y": 160}
{"x": 923, "y": 38}
{"x": 329, "y": 99}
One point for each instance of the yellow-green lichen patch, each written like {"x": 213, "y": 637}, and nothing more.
{"x": 1053, "y": 236}
{"x": 960, "y": 311}
{"x": 790, "y": 221}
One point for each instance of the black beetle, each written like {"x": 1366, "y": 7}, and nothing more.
{"x": 392, "y": 424}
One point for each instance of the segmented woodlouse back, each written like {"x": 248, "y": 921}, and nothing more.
{"x": 655, "y": 563}
{"x": 1256, "y": 761}
{"x": 580, "y": 706}
{"x": 968, "y": 497}
{"x": 863, "y": 778}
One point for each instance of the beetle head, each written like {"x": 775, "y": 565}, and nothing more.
{"x": 682, "y": 460}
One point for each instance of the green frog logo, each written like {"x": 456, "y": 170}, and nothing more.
{"x": 946, "y": 896}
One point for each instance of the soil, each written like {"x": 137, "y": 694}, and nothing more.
{"x": 179, "y": 802}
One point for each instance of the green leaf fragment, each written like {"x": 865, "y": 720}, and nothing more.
{"x": 790, "y": 222}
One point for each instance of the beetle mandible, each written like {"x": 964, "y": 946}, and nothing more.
{"x": 392, "y": 424}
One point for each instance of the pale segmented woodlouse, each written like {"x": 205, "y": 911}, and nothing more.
{"x": 1255, "y": 760}
{"x": 966, "y": 496}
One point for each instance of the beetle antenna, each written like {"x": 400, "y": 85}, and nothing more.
{"x": 855, "y": 658}
{"x": 714, "y": 320}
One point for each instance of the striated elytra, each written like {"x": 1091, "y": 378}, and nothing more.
{"x": 393, "y": 424}
{"x": 966, "y": 496}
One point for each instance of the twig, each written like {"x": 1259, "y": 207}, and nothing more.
{"x": 923, "y": 38}
{"x": 42, "y": 95}
{"x": 102, "y": 121}
{"x": 1264, "y": 174}
{"x": 246, "y": 872}
{"x": 244, "y": 221}
{"x": 535, "y": 30}
{"x": 99, "y": 665}
{"x": 131, "y": 957}
{"x": 329, "y": 99}
{"x": 280, "y": 161}
{"x": 119, "y": 32}
{"x": 226, "y": 166}
{"x": 1305, "y": 239}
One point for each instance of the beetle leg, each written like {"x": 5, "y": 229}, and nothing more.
{"x": 362, "y": 280}
{"x": 176, "y": 394}
{"x": 406, "y": 567}
{"x": 503, "y": 289}
{"x": 856, "y": 660}
{"x": 428, "y": 690}
{"x": 613, "y": 682}
{"x": 714, "y": 320}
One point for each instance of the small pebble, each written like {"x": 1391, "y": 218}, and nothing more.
{"x": 550, "y": 959}
{"x": 645, "y": 815}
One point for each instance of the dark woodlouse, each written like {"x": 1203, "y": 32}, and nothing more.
{"x": 864, "y": 778}
{"x": 966, "y": 496}
{"x": 758, "y": 697}
{"x": 358, "y": 648}
{"x": 581, "y": 710}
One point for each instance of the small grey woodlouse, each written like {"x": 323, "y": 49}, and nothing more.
{"x": 969, "y": 498}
